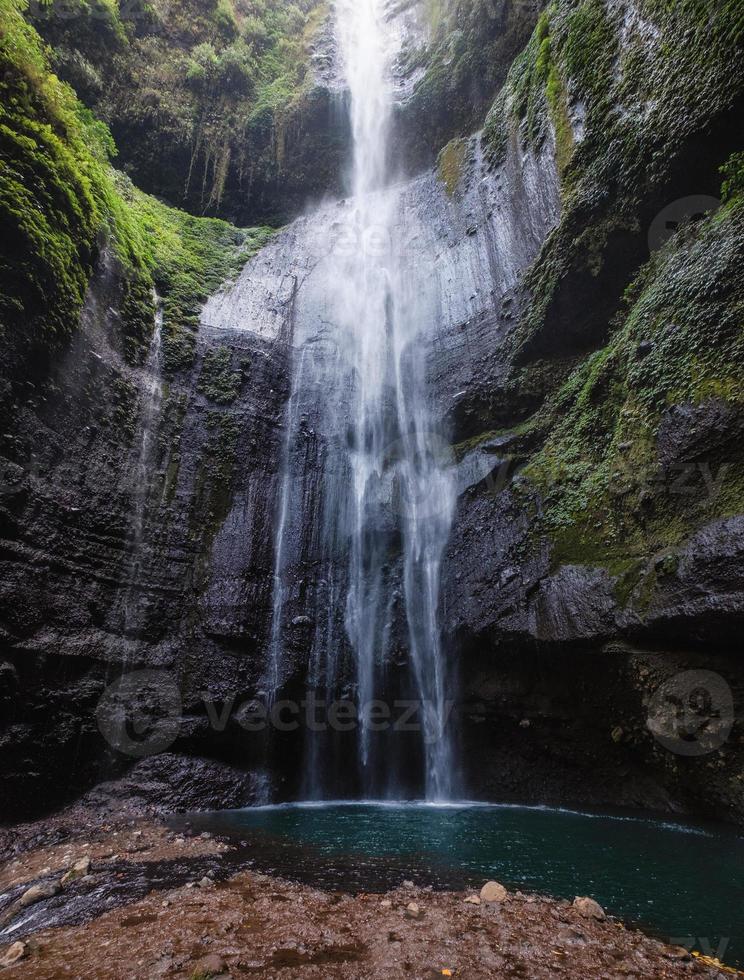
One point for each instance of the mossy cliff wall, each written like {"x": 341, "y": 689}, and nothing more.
{"x": 593, "y": 388}
{"x": 607, "y": 536}
{"x": 217, "y": 106}
{"x": 122, "y": 428}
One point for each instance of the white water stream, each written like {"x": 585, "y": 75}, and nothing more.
{"x": 386, "y": 492}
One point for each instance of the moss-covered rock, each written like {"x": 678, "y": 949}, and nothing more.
{"x": 471, "y": 46}
{"x": 212, "y": 102}
{"x": 52, "y": 191}
{"x": 218, "y": 380}
{"x": 642, "y": 101}
{"x": 644, "y": 442}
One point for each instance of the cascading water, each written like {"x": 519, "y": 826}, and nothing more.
{"x": 151, "y": 404}
{"x": 376, "y": 525}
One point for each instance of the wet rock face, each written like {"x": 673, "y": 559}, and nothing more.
{"x": 102, "y": 572}
{"x": 102, "y": 568}
{"x": 576, "y": 723}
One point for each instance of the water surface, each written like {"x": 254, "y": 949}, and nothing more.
{"x": 683, "y": 883}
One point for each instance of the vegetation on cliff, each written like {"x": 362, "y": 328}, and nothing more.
{"x": 644, "y": 440}
{"x": 470, "y": 48}
{"x": 61, "y": 203}
{"x": 224, "y": 85}
{"x": 638, "y": 343}
{"x": 637, "y": 118}
{"x": 55, "y": 192}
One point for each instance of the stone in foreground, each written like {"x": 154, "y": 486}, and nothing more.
{"x": 589, "y": 909}
{"x": 79, "y": 870}
{"x": 493, "y": 892}
{"x": 14, "y": 954}
{"x": 37, "y": 893}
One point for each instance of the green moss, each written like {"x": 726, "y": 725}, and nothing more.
{"x": 137, "y": 310}
{"x": 536, "y": 92}
{"x": 189, "y": 259}
{"x": 202, "y": 75}
{"x": 605, "y": 500}
{"x": 450, "y": 164}
{"x": 640, "y": 101}
{"x": 733, "y": 174}
{"x": 588, "y": 47}
{"x": 50, "y": 191}
{"x": 218, "y": 381}
{"x": 124, "y": 411}
{"x": 471, "y": 45}
{"x": 214, "y": 485}
{"x": 558, "y": 101}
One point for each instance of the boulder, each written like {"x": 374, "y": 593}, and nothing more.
{"x": 493, "y": 892}
{"x": 79, "y": 870}
{"x": 37, "y": 893}
{"x": 14, "y": 954}
{"x": 589, "y": 909}
{"x": 210, "y": 966}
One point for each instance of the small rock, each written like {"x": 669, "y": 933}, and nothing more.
{"x": 525, "y": 723}
{"x": 210, "y": 966}
{"x": 413, "y": 911}
{"x": 386, "y": 903}
{"x": 473, "y": 900}
{"x": 677, "y": 953}
{"x": 408, "y": 884}
{"x": 492, "y": 891}
{"x": 589, "y": 909}
{"x": 206, "y": 883}
{"x": 79, "y": 870}
{"x": 37, "y": 893}
{"x": 644, "y": 348}
{"x": 571, "y": 935}
{"x": 14, "y": 954}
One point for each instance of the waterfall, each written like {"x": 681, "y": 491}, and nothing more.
{"x": 375, "y": 523}
{"x": 151, "y": 403}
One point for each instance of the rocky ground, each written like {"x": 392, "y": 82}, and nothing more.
{"x": 85, "y": 895}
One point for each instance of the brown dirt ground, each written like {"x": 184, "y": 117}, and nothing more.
{"x": 251, "y": 925}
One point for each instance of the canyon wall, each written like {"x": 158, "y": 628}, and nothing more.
{"x": 586, "y": 361}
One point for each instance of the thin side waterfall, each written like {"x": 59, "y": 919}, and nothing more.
{"x": 381, "y": 512}
{"x": 151, "y": 404}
